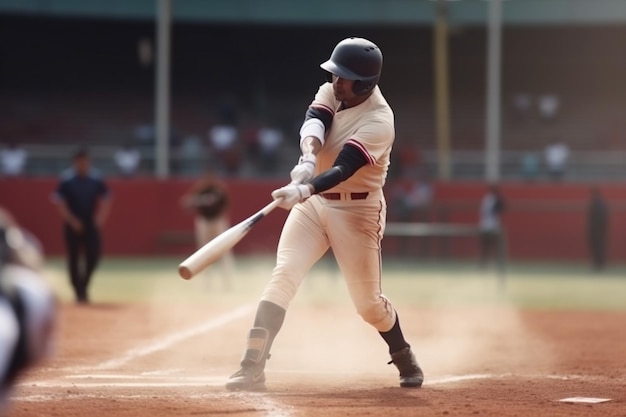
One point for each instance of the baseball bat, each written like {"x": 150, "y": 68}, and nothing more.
{"x": 215, "y": 248}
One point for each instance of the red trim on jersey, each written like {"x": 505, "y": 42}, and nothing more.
{"x": 361, "y": 148}
{"x": 323, "y": 107}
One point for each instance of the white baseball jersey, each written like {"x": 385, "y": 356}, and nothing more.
{"x": 351, "y": 225}
{"x": 369, "y": 127}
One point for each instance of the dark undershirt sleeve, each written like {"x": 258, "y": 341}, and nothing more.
{"x": 349, "y": 160}
{"x": 319, "y": 113}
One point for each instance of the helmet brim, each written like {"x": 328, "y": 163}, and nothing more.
{"x": 339, "y": 71}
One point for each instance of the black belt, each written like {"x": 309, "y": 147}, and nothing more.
{"x": 345, "y": 196}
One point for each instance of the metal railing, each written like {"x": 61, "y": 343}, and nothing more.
{"x": 47, "y": 160}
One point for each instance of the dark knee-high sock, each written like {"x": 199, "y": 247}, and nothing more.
{"x": 394, "y": 337}
{"x": 269, "y": 316}
{"x": 267, "y": 322}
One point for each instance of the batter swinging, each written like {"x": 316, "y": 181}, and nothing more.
{"x": 336, "y": 200}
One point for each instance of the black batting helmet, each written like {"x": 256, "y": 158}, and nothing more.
{"x": 356, "y": 59}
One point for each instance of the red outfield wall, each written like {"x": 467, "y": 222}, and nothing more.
{"x": 543, "y": 221}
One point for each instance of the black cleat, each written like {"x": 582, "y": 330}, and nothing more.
{"x": 411, "y": 375}
{"x": 248, "y": 378}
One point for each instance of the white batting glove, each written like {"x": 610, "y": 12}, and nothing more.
{"x": 305, "y": 170}
{"x": 291, "y": 195}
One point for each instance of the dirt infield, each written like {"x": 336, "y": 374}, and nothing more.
{"x": 172, "y": 360}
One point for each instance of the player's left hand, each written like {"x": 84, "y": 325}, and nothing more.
{"x": 304, "y": 171}
{"x": 291, "y": 195}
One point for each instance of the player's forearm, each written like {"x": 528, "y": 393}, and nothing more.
{"x": 349, "y": 161}
{"x": 327, "y": 180}
{"x": 310, "y": 145}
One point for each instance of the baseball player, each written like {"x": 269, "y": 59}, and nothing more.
{"x": 27, "y": 306}
{"x": 336, "y": 201}
{"x": 208, "y": 198}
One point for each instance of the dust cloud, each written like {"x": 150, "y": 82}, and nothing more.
{"x": 452, "y": 336}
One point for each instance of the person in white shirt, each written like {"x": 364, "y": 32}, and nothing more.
{"x": 127, "y": 160}
{"x": 13, "y": 160}
{"x": 556, "y": 159}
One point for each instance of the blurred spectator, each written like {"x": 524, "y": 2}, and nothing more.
{"x": 13, "y": 160}
{"x": 530, "y": 166}
{"x": 250, "y": 137}
{"x": 270, "y": 139}
{"x": 412, "y": 197}
{"x": 549, "y": 107}
{"x": 127, "y": 160}
{"x": 192, "y": 154}
{"x": 597, "y": 229}
{"x": 522, "y": 104}
{"x": 145, "y": 53}
{"x": 144, "y": 133}
{"x": 208, "y": 199}
{"x": 224, "y": 143}
{"x": 492, "y": 207}
{"x": 556, "y": 155}
{"x": 82, "y": 198}
{"x": 28, "y": 309}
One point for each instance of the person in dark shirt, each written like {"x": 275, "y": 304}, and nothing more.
{"x": 83, "y": 200}
{"x": 492, "y": 206}
{"x": 597, "y": 228}
{"x": 208, "y": 199}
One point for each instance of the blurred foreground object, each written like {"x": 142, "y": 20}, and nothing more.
{"x": 27, "y": 306}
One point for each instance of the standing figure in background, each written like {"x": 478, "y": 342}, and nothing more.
{"x": 28, "y": 308}
{"x": 597, "y": 229}
{"x": 83, "y": 200}
{"x": 335, "y": 201}
{"x": 491, "y": 208}
{"x": 208, "y": 198}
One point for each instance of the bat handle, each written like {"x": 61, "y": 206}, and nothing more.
{"x": 271, "y": 206}
{"x": 251, "y": 221}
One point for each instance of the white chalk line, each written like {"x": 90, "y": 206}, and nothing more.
{"x": 143, "y": 381}
{"x": 259, "y": 401}
{"x": 164, "y": 342}
{"x": 274, "y": 408}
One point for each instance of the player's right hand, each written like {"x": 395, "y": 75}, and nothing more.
{"x": 291, "y": 195}
{"x": 305, "y": 170}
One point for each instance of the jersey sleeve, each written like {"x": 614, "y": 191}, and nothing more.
{"x": 324, "y": 99}
{"x": 373, "y": 139}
